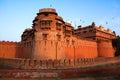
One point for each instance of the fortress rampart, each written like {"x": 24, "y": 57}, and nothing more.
{"x": 8, "y": 49}
{"x": 54, "y": 64}
{"x": 105, "y": 49}
{"x": 91, "y": 49}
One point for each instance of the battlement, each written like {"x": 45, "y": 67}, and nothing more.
{"x": 101, "y": 28}
{"x": 8, "y": 42}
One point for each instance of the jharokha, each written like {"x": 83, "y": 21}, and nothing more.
{"x": 52, "y": 38}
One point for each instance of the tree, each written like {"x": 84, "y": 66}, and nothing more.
{"x": 116, "y": 45}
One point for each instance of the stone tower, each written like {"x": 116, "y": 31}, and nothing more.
{"x": 48, "y": 35}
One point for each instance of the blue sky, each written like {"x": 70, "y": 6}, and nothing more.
{"x": 16, "y": 15}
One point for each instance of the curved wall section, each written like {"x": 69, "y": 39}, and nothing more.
{"x": 105, "y": 49}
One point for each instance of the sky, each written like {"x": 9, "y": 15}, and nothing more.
{"x": 17, "y": 15}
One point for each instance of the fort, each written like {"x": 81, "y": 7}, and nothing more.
{"x": 52, "y": 38}
{"x": 53, "y": 45}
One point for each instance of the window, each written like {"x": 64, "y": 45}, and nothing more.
{"x": 45, "y": 24}
{"x": 46, "y": 14}
{"x": 58, "y": 26}
{"x": 67, "y": 33}
{"x": 44, "y": 36}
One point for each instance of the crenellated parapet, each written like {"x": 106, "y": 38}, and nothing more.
{"x": 109, "y": 31}
{"x": 8, "y": 42}
{"x": 8, "y": 49}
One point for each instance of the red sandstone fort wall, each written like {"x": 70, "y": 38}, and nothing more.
{"x": 15, "y": 49}
{"x": 47, "y": 49}
{"x": 8, "y": 49}
{"x": 81, "y": 49}
{"x": 105, "y": 49}
{"x": 24, "y": 49}
{"x": 87, "y": 49}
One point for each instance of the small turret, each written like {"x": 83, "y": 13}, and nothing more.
{"x": 114, "y": 32}
{"x": 109, "y": 30}
{"x": 93, "y": 24}
{"x": 79, "y": 26}
{"x": 101, "y": 27}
